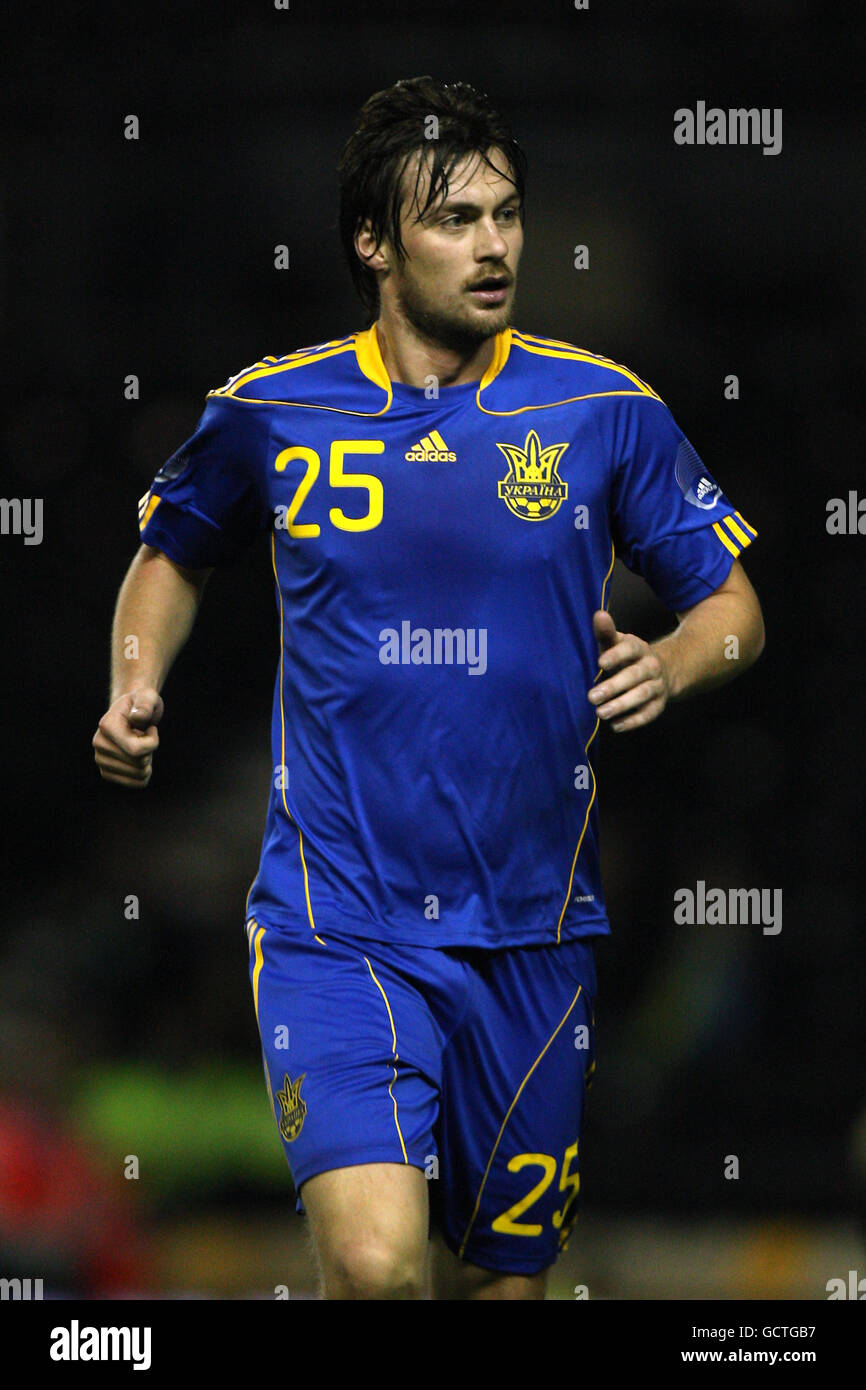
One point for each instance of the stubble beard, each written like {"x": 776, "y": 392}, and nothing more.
{"x": 458, "y": 334}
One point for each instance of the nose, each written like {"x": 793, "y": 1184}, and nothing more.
{"x": 490, "y": 244}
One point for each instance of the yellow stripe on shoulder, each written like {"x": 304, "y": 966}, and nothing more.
{"x": 555, "y": 347}
{"x": 269, "y": 366}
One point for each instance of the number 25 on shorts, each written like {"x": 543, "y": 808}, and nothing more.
{"x": 569, "y": 1181}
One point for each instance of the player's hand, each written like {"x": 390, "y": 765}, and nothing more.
{"x": 125, "y": 741}
{"x": 633, "y": 688}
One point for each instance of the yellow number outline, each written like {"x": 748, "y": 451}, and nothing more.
{"x": 567, "y": 1179}
{"x": 507, "y": 1224}
{"x": 337, "y": 477}
{"x": 369, "y": 481}
{"x": 314, "y": 463}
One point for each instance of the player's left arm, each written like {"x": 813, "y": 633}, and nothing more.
{"x": 715, "y": 640}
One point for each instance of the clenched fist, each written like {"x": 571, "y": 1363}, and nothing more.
{"x": 126, "y": 738}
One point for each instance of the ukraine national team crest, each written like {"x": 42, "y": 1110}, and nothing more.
{"x": 532, "y": 488}
{"x": 293, "y": 1108}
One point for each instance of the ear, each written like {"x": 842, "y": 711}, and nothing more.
{"x": 371, "y": 252}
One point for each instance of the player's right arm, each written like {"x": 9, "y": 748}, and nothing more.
{"x": 153, "y": 617}
{"x": 206, "y": 503}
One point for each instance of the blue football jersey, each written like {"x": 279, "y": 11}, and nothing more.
{"x": 438, "y": 555}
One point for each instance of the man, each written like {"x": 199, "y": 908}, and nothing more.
{"x": 444, "y": 497}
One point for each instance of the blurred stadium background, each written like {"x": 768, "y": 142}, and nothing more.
{"x": 136, "y": 1037}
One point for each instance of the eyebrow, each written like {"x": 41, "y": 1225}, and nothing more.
{"x": 453, "y": 205}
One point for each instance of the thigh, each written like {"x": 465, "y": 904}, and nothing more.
{"x": 515, "y": 1078}
{"x": 370, "y": 1227}
{"x": 344, "y": 1044}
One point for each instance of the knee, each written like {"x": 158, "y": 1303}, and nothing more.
{"x": 373, "y": 1269}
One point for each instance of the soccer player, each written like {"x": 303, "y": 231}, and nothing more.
{"x": 443, "y": 498}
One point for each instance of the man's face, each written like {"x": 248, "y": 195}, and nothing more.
{"x": 458, "y": 281}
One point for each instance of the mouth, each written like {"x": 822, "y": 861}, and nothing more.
{"x": 491, "y": 290}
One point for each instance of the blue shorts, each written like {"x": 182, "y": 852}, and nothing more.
{"x": 470, "y": 1064}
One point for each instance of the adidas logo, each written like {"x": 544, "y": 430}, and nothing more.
{"x": 431, "y": 449}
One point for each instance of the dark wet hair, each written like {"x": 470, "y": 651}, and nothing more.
{"x": 394, "y": 124}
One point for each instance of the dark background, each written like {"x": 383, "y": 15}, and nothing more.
{"x": 156, "y": 257}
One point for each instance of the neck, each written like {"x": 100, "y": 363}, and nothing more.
{"x": 412, "y": 358}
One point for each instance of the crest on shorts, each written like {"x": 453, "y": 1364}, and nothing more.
{"x": 532, "y": 488}
{"x": 293, "y": 1108}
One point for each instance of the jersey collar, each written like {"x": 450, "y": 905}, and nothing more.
{"x": 369, "y": 357}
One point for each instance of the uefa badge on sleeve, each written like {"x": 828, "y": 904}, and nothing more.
{"x": 693, "y": 480}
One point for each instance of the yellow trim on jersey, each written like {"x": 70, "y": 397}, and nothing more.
{"x": 371, "y": 362}
{"x": 742, "y": 535}
{"x": 365, "y": 345}
{"x": 550, "y": 405}
{"x": 736, "y": 531}
{"x": 283, "y": 745}
{"x": 396, "y": 1059}
{"x": 591, "y": 769}
{"x": 501, "y": 353}
{"x": 726, "y": 540}
{"x": 258, "y": 936}
{"x": 144, "y": 517}
{"x": 466, "y": 1233}
{"x": 268, "y": 366}
{"x": 552, "y": 347}
{"x": 369, "y": 359}
{"x": 257, "y": 968}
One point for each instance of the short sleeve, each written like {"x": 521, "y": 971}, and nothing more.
{"x": 670, "y": 520}
{"x": 206, "y": 503}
